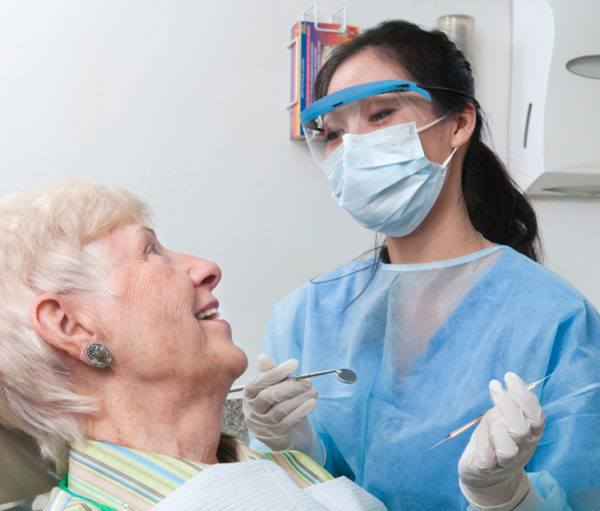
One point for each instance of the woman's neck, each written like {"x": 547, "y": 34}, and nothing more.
{"x": 153, "y": 420}
{"x": 446, "y": 233}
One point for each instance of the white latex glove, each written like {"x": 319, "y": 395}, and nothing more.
{"x": 276, "y": 409}
{"x": 491, "y": 468}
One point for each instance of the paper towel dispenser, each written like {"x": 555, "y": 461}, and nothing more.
{"x": 554, "y": 147}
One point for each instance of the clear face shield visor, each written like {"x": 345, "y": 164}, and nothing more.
{"x": 362, "y": 109}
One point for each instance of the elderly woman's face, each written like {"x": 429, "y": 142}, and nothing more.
{"x": 163, "y": 323}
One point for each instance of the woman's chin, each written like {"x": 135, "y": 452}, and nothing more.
{"x": 242, "y": 363}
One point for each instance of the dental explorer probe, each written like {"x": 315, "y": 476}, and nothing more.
{"x": 343, "y": 375}
{"x": 477, "y": 420}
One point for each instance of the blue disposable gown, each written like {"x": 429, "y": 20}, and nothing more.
{"x": 425, "y": 340}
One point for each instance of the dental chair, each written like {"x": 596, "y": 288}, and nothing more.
{"x": 24, "y": 480}
{"x": 22, "y": 475}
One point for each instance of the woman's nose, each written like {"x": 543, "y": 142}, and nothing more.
{"x": 205, "y": 273}
{"x": 201, "y": 271}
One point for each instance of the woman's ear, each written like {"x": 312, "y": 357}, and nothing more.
{"x": 56, "y": 321}
{"x": 466, "y": 119}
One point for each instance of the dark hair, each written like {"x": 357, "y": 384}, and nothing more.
{"x": 496, "y": 206}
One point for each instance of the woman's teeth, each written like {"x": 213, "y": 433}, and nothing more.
{"x": 208, "y": 314}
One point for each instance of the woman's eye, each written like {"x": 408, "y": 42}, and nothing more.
{"x": 380, "y": 115}
{"x": 152, "y": 248}
{"x": 330, "y": 136}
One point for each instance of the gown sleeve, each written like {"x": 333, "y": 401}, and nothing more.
{"x": 565, "y": 469}
{"x": 282, "y": 340}
{"x": 568, "y": 456}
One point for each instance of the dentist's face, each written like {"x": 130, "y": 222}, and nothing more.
{"x": 383, "y": 110}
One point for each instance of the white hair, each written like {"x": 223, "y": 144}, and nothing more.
{"x": 45, "y": 247}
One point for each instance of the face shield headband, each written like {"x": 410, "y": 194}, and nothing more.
{"x": 309, "y": 115}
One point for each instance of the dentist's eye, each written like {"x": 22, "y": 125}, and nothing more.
{"x": 380, "y": 115}
{"x": 331, "y": 136}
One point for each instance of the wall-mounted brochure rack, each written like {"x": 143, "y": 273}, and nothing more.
{"x": 312, "y": 42}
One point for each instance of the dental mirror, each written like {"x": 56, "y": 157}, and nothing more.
{"x": 344, "y": 375}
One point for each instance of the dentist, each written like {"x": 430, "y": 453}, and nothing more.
{"x": 453, "y": 300}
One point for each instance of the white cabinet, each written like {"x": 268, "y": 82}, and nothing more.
{"x": 554, "y": 142}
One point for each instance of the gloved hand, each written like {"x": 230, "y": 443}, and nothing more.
{"x": 491, "y": 468}
{"x": 276, "y": 409}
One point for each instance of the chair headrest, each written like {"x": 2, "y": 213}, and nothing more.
{"x": 22, "y": 472}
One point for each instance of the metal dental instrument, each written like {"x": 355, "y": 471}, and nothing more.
{"x": 477, "y": 420}
{"x": 344, "y": 375}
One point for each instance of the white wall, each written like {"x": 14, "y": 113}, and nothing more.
{"x": 570, "y": 235}
{"x": 182, "y": 102}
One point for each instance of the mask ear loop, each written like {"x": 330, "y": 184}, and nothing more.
{"x": 447, "y": 161}
{"x": 432, "y": 123}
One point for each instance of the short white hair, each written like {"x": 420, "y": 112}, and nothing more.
{"x": 45, "y": 239}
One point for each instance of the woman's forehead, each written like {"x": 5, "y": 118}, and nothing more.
{"x": 366, "y": 66}
{"x": 122, "y": 240}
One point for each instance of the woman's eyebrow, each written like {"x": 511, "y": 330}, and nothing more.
{"x": 145, "y": 236}
{"x": 149, "y": 231}
{"x": 333, "y": 117}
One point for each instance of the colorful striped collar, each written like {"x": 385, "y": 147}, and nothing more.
{"x": 121, "y": 478}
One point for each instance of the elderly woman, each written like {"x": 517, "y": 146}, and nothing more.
{"x": 112, "y": 354}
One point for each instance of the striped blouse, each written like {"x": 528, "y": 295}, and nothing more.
{"x": 106, "y": 476}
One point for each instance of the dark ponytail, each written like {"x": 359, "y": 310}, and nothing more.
{"x": 496, "y": 207}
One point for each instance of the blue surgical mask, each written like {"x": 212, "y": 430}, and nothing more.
{"x": 383, "y": 178}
